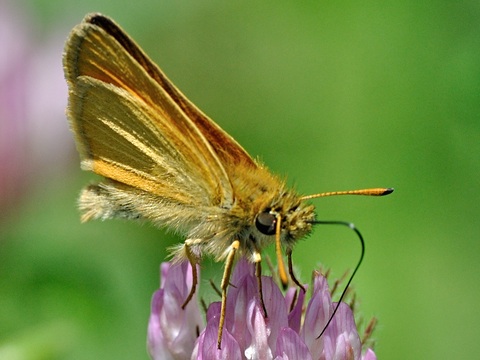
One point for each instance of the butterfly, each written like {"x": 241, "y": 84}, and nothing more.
{"x": 164, "y": 160}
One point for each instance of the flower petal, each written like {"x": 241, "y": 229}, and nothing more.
{"x": 317, "y": 314}
{"x": 291, "y": 347}
{"x": 239, "y": 297}
{"x": 259, "y": 347}
{"x": 344, "y": 335}
{"x": 349, "y": 338}
{"x": 277, "y": 316}
{"x": 172, "y": 331}
{"x": 206, "y": 346}
{"x": 369, "y": 355}
{"x": 295, "y": 316}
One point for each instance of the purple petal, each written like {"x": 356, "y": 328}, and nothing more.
{"x": 277, "y": 316}
{"x": 259, "y": 347}
{"x": 291, "y": 347}
{"x": 157, "y": 344}
{"x": 344, "y": 334}
{"x": 206, "y": 346}
{"x": 290, "y": 296}
{"x": 341, "y": 340}
{"x": 317, "y": 314}
{"x": 164, "y": 267}
{"x": 172, "y": 330}
{"x": 214, "y": 309}
{"x": 239, "y": 296}
{"x": 295, "y": 316}
{"x": 242, "y": 268}
{"x": 369, "y": 355}
{"x": 179, "y": 280}
{"x": 343, "y": 349}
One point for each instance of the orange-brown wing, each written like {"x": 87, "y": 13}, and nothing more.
{"x": 228, "y": 150}
{"x": 133, "y": 126}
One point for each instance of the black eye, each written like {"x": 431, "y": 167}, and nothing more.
{"x": 265, "y": 223}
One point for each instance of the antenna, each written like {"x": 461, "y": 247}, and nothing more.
{"x": 368, "y": 192}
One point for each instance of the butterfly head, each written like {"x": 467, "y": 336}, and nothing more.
{"x": 290, "y": 223}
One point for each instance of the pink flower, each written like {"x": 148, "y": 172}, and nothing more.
{"x": 287, "y": 333}
{"x": 172, "y": 331}
{"x": 34, "y": 135}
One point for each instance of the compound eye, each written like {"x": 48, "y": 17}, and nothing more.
{"x": 265, "y": 223}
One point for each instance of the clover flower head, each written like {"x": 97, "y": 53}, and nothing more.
{"x": 287, "y": 332}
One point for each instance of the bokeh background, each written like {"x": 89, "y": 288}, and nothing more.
{"x": 332, "y": 95}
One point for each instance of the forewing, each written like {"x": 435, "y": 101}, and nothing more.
{"x": 230, "y": 153}
{"x": 131, "y": 127}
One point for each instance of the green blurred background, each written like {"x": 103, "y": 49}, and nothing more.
{"x": 333, "y": 95}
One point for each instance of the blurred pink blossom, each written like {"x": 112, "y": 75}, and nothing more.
{"x": 34, "y": 136}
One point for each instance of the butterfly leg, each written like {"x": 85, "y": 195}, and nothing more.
{"x": 225, "y": 282}
{"x": 193, "y": 262}
{"x": 290, "y": 270}
{"x": 258, "y": 274}
{"x": 278, "y": 249}
{"x": 257, "y": 258}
